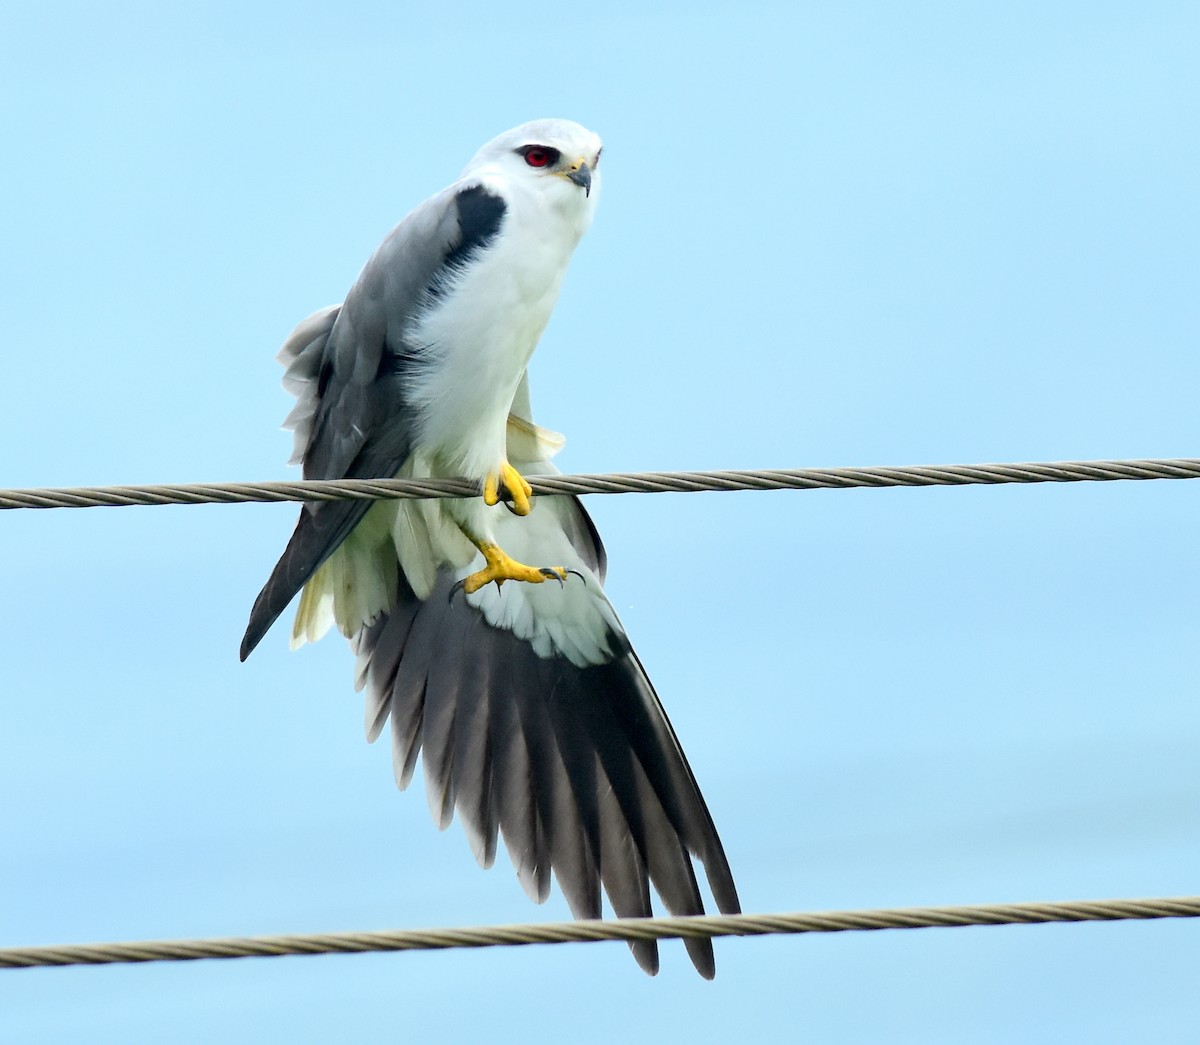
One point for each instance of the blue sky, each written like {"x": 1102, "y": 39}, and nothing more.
{"x": 841, "y": 234}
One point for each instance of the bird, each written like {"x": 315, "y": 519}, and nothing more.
{"x": 515, "y": 683}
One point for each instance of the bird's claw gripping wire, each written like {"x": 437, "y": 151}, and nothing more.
{"x": 510, "y": 486}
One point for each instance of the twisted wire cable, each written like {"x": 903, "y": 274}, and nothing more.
{"x": 596, "y": 930}
{"x": 610, "y": 483}
{"x": 623, "y": 929}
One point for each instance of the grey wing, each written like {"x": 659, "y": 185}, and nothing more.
{"x": 350, "y": 366}
{"x": 576, "y": 766}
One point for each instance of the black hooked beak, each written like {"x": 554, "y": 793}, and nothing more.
{"x": 581, "y": 175}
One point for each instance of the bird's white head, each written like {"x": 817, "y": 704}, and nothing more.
{"x": 557, "y": 160}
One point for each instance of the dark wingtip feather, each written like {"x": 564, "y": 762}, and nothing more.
{"x": 645, "y": 953}
{"x": 701, "y": 953}
{"x": 267, "y": 609}
{"x": 258, "y": 626}
{"x": 274, "y": 597}
{"x": 319, "y": 531}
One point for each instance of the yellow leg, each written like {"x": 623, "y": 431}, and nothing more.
{"x": 500, "y": 568}
{"x": 519, "y": 491}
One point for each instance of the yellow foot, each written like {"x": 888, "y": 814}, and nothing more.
{"x": 501, "y": 568}
{"x": 519, "y": 491}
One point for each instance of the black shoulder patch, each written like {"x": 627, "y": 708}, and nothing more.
{"x": 480, "y": 215}
{"x": 397, "y": 358}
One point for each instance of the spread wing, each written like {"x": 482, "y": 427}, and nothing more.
{"x": 349, "y": 368}
{"x": 538, "y": 723}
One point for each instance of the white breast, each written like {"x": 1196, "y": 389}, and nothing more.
{"x": 476, "y": 341}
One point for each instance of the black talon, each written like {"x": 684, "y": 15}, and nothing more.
{"x": 577, "y": 574}
{"x": 455, "y": 588}
{"x": 507, "y": 499}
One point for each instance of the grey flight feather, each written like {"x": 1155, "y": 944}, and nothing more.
{"x": 351, "y": 375}
{"x": 576, "y": 767}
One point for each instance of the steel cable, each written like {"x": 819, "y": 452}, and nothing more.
{"x": 611, "y": 483}
{"x": 595, "y": 930}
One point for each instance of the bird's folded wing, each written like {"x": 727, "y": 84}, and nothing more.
{"x": 350, "y": 367}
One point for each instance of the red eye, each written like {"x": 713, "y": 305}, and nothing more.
{"x": 539, "y": 155}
